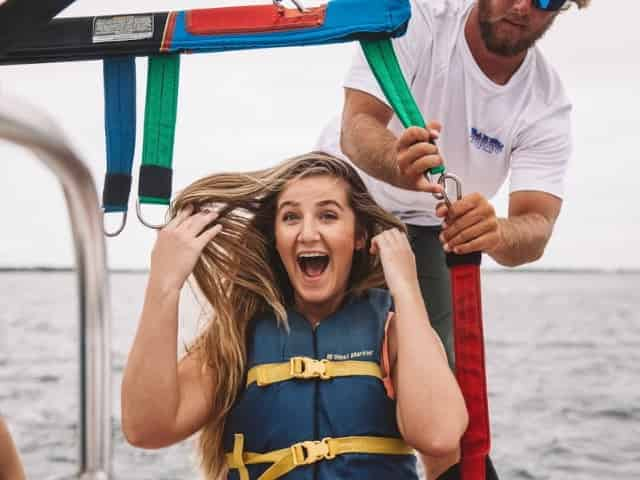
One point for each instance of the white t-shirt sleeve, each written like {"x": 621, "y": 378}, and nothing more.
{"x": 408, "y": 49}
{"x": 540, "y": 158}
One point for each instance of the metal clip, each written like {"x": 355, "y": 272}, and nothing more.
{"x": 305, "y": 367}
{"x": 306, "y": 453}
{"x": 442, "y": 181}
{"x": 301, "y": 8}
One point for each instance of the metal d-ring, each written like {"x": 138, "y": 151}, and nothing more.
{"x": 119, "y": 230}
{"x": 143, "y": 221}
{"x": 301, "y": 8}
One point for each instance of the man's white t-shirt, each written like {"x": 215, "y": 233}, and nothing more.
{"x": 488, "y": 130}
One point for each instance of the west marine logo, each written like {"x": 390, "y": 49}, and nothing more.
{"x": 351, "y": 355}
{"x": 485, "y": 142}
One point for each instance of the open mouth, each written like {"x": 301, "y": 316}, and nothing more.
{"x": 313, "y": 264}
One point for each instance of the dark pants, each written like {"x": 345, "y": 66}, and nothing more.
{"x": 433, "y": 276}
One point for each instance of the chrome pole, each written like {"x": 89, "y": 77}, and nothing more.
{"x": 23, "y": 125}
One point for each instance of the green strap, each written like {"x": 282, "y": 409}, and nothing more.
{"x": 384, "y": 64}
{"x": 159, "y": 129}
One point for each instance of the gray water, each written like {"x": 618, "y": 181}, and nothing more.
{"x": 563, "y": 366}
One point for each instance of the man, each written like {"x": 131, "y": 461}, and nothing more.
{"x": 472, "y": 65}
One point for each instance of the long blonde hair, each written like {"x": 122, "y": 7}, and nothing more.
{"x": 241, "y": 275}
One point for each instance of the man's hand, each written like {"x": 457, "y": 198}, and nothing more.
{"x": 416, "y": 152}
{"x": 470, "y": 225}
{"x": 367, "y": 141}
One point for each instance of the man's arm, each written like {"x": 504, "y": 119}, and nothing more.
{"x": 367, "y": 141}
{"x": 364, "y": 136}
{"x": 526, "y": 232}
{"x": 520, "y": 238}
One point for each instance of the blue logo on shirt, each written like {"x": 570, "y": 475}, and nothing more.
{"x": 485, "y": 142}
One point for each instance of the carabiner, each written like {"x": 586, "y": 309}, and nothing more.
{"x": 442, "y": 181}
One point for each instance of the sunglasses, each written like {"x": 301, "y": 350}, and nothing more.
{"x": 549, "y": 5}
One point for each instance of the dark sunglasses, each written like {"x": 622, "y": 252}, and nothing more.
{"x": 549, "y": 5}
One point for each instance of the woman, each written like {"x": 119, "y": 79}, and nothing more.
{"x": 289, "y": 259}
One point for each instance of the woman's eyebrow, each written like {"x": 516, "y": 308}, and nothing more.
{"x": 324, "y": 203}
{"x": 288, "y": 203}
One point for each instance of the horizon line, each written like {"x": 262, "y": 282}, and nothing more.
{"x": 492, "y": 269}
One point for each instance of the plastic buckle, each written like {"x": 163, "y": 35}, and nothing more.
{"x": 305, "y": 367}
{"x": 306, "y": 453}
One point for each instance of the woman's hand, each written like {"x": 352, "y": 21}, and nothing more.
{"x": 398, "y": 261}
{"x": 179, "y": 245}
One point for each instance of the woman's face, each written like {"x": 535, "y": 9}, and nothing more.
{"x": 315, "y": 232}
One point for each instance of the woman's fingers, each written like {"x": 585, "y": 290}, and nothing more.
{"x": 197, "y": 222}
{"x": 388, "y": 240}
{"x": 203, "y": 220}
{"x": 209, "y": 234}
{"x": 180, "y": 217}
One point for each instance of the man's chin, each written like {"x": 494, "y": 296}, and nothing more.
{"x": 505, "y": 50}
{"x": 504, "y": 47}
{"x": 500, "y": 42}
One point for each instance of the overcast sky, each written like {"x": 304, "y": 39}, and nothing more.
{"x": 242, "y": 110}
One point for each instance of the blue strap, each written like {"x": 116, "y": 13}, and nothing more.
{"x": 120, "y": 130}
{"x": 346, "y": 20}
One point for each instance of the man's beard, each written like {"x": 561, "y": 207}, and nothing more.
{"x": 505, "y": 47}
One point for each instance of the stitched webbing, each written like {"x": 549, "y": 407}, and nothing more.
{"x": 385, "y": 67}
{"x": 306, "y": 453}
{"x": 306, "y": 368}
{"x": 119, "y": 75}
{"x": 470, "y": 361}
{"x": 160, "y": 119}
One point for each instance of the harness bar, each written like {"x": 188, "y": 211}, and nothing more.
{"x": 208, "y": 30}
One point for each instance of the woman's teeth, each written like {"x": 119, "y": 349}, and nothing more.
{"x": 313, "y": 264}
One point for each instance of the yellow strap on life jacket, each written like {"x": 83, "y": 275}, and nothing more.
{"x": 306, "y": 453}
{"x": 307, "y": 368}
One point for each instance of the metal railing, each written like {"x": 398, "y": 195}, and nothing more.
{"x": 23, "y": 125}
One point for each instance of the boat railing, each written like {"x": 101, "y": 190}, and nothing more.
{"x": 28, "y": 127}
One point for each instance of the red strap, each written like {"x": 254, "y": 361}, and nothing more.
{"x": 251, "y": 19}
{"x": 470, "y": 369}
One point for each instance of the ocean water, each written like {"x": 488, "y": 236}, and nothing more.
{"x": 563, "y": 360}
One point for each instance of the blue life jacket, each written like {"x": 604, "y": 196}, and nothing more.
{"x": 276, "y": 416}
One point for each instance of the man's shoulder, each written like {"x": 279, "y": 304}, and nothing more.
{"x": 546, "y": 80}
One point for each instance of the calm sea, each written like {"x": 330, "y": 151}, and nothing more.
{"x": 563, "y": 353}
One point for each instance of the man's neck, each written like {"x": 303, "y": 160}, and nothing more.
{"x": 497, "y": 68}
